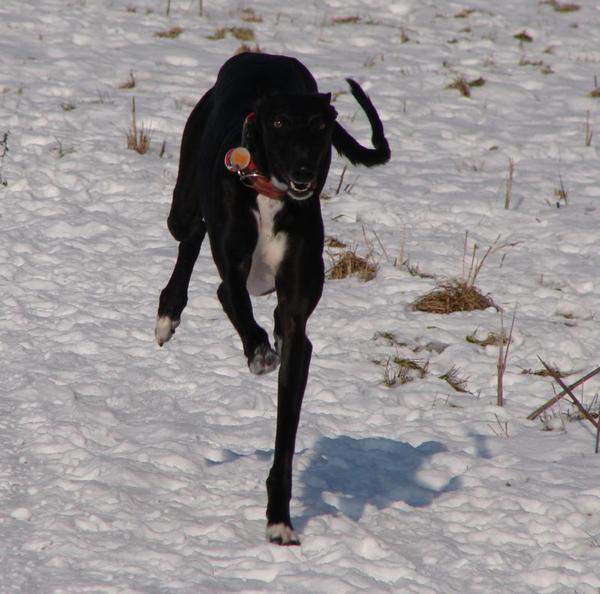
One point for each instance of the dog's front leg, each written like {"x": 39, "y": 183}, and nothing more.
{"x": 299, "y": 286}
{"x": 236, "y": 303}
{"x": 293, "y": 374}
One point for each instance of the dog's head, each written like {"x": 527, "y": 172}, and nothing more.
{"x": 291, "y": 141}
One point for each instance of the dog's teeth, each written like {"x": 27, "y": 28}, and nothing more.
{"x": 299, "y": 187}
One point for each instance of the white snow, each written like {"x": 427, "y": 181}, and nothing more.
{"x": 126, "y": 468}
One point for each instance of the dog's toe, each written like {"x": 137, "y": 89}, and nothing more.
{"x": 165, "y": 328}
{"x": 264, "y": 360}
{"x": 282, "y": 534}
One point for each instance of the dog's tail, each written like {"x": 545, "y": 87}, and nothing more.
{"x": 346, "y": 145}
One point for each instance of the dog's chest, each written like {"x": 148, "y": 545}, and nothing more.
{"x": 270, "y": 248}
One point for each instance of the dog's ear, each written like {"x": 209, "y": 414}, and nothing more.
{"x": 262, "y": 103}
{"x": 326, "y": 99}
{"x": 248, "y": 130}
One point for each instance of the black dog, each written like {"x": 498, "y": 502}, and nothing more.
{"x": 260, "y": 206}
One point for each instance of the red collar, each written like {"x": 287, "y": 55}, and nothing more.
{"x": 239, "y": 160}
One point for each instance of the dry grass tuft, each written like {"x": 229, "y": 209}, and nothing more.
{"x": 523, "y": 37}
{"x": 348, "y": 263}
{"x": 453, "y": 379}
{"x": 453, "y": 296}
{"x": 346, "y": 20}
{"x": 492, "y": 339}
{"x": 244, "y": 34}
{"x": 172, "y": 33}
{"x": 552, "y": 372}
{"x": 563, "y": 7}
{"x": 593, "y": 411}
{"x": 460, "y": 294}
{"x": 466, "y": 13}
{"x": 389, "y": 338}
{"x": 463, "y": 86}
{"x": 561, "y": 193}
{"x": 334, "y": 242}
{"x": 477, "y": 82}
{"x": 245, "y": 48}
{"x": 509, "y": 184}
{"x": 400, "y": 370}
{"x": 137, "y": 139}
{"x": 3, "y": 152}
{"x": 129, "y": 83}
{"x": 249, "y": 15}
{"x": 588, "y": 130}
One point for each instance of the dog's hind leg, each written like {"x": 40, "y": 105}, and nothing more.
{"x": 185, "y": 207}
{"x": 174, "y": 296}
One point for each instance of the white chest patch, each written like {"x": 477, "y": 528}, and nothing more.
{"x": 270, "y": 248}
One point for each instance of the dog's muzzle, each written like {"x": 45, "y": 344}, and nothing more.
{"x": 300, "y": 190}
{"x": 301, "y": 181}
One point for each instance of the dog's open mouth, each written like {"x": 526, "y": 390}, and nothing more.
{"x": 300, "y": 190}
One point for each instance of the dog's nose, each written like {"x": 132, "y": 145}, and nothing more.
{"x": 303, "y": 174}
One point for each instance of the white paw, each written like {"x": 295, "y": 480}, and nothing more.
{"x": 282, "y": 534}
{"x": 264, "y": 360}
{"x": 165, "y": 328}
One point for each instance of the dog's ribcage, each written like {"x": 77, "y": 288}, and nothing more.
{"x": 270, "y": 248}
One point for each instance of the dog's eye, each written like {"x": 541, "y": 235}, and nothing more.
{"x": 318, "y": 124}
{"x": 278, "y": 123}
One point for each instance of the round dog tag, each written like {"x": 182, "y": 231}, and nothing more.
{"x": 237, "y": 159}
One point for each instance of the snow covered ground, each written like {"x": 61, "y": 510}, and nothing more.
{"x": 125, "y": 468}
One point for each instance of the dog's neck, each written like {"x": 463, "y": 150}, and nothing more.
{"x": 239, "y": 160}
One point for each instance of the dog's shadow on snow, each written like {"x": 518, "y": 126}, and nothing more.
{"x": 345, "y": 475}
